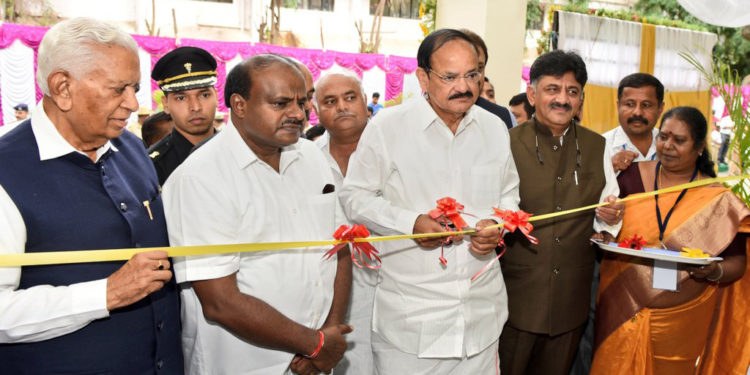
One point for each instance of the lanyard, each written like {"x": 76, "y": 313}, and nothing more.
{"x": 663, "y": 225}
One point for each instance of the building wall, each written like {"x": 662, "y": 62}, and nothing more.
{"x": 240, "y": 20}
{"x": 502, "y": 25}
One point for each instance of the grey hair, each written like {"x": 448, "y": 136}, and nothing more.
{"x": 69, "y": 46}
{"x": 343, "y": 74}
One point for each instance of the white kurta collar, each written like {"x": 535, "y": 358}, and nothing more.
{"x": 51, "y": 143}
{"x": 244, "y": 156}
{"x": 427, "y": 116}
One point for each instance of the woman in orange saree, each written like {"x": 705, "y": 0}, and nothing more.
{"x": 642, "y": 330}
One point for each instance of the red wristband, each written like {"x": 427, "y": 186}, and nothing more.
{"x": 321, "y": 342}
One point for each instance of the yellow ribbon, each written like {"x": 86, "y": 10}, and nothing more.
{"x": 84, "y": 256}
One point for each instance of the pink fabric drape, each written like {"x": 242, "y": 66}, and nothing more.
{"x": 394, "y": 76}
{"x": 744, "y": 91}
{"x": 525, "y": 73}
{"x": 31, "y": 36}
{"x": 223, "y": 52}
{"x": 156, "y": 47}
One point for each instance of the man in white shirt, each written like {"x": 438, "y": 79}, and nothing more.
{"x": 726, "y": 127}
{"x": 640, "y": 101}
{"x": 429, "y": 316}
{"x": 250, "y": 313}
{"x": 341, "y": 107}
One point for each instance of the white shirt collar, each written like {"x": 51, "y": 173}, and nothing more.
{"x": 244, "y": 156}
{"x": 323, "y": 141}
{"x": 51, "y": 143}
{"x": 621, "y": 141}
{"x": 427, "y": 116}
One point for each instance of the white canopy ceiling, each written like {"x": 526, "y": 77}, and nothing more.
{"x": 728, "y": 13}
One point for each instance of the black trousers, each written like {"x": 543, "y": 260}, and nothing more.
{"x": 527, "y": 353}
{"x": 723, "y": 148}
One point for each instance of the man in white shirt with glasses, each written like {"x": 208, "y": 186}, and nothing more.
{"x": 429, "y": 316}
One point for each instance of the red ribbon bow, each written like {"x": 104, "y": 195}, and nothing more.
{"x": 636, "y": 242}
{"x": 513, "y": 220}
{"x": 350, "y": 233}
{"x": 451, "y": 209}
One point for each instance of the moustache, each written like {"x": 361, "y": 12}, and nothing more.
{"x": 292, "y": 122}
{"x": 345, "y": 114}
{"x": 637, "y": 118}
{"x": 566, "y": 107}
{"x": 466, "y": 94}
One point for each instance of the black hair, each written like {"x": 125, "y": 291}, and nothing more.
{"x": 315, "y": 131}
{"x": 478, "y": 42}
{"x": 150, "y": 131}
{"x": 698, "y": 127}
{"x": 238, "y": 80}
{"x": 638, "y": 80}
{"x": 376, "y": 95}
{"x": 522, "y": 99}
{"x": 556, "y": 64}
{"x": 434, "y": 41}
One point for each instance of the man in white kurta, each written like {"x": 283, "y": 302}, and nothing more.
{"x": 429, "y": 317}
{"x": 342, "y": 110}
{"x": 227, "y": 193}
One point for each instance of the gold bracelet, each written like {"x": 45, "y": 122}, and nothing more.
{"x": 721, "y": 274}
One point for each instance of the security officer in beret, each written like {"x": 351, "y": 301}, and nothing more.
{"x": 187, "y": 76}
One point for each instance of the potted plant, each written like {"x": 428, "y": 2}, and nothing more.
{"x": 728, "y": 83}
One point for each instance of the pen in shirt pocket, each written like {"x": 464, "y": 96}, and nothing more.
{"x": 147, "y": 205}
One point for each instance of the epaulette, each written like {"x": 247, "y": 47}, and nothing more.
{"x": 158, "y": 149}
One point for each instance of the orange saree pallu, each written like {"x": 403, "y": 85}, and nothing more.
{"x": 631, "y": 338}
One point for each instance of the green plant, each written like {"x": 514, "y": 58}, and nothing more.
{"x": 427, "y": 10}
{"x": 543, "y": 42}
{"x": 627, "y": 15}
{"x": 534, "y": 13}
{"x": 579, "y": 3}
{"x": 727, "y": 81}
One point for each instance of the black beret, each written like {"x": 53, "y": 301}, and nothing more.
{"x": 185, "y": 68}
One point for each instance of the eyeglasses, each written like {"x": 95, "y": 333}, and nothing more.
{"x": 450, "y": 79}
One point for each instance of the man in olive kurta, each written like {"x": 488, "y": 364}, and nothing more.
{"x": 561, "y": 166}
